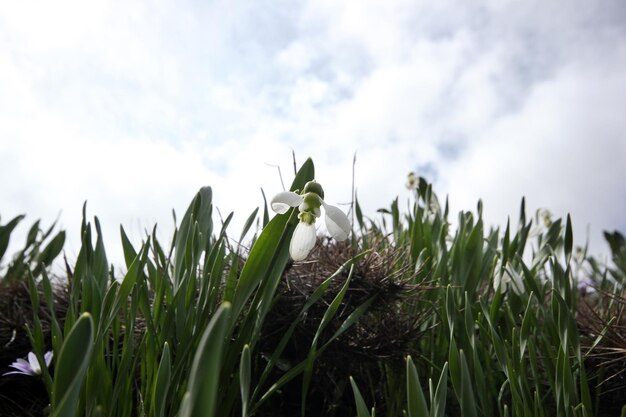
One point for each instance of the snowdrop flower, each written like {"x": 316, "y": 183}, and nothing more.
{"x": 309, "y": 203}
{"x": 412, "y": 182}
{"x": 30, "y": 368}
{"x": 509, "y": 278}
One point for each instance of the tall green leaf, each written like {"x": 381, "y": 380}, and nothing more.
{"x": 361, "y": 408}
{"x": 204, "y": 381}
{"x": 416, "y": 401}
{"x": 5, "y": 233}
{"x": 162, "y": 382}
{"x": 71, "y": 367}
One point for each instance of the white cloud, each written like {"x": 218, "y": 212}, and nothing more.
{"x": 134, "y": 106}
{"x": 564, "y": 150}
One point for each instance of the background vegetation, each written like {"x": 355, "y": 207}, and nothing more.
{"x": 416, "y": 315}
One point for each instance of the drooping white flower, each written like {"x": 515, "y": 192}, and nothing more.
{"x": 30, "y": 367}
{"x": 412, "y": 181}
{"x": 309, "y": 203}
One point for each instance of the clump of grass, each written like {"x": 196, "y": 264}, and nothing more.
{"x": 601, "y": 321}
{"x": 374, "y": 345}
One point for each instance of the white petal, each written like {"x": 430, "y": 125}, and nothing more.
{"x": 497, "y": 280}
{"x": 282, "y": 201}
{"x": 34, "y": 363}
{"x": 302, "y": 241}
{"x": 48, "y": 357}
{"x": 505, "y": 281}
{"x": 337, "y": 222}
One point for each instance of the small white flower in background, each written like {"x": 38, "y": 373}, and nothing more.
{"x": 30, "y": 367}
{"x": 546, "y": 217}
{"x": 508, "y": 278}
{"x": 309, "y": 203}
{"x": 543, "y": 221}
{"x": 586, "y": 285}
{"x": 412, "y": 181}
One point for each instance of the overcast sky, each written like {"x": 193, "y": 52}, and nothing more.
{"x": 133, "y": 106}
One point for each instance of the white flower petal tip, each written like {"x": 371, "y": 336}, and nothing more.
{"x": 34, "y": 363}
{"x": 285, "y": 200}
{"x": 48, "y": 357}
{"x": 302, "y": 241}
{"x": 337, "y": 223}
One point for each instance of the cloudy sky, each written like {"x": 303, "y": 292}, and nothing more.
{"x": 134, "y": 105}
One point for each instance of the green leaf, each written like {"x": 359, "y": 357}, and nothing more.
{"x": 506, "y": 244}
{"x": 569, "y": 239}
{"x": 100, "y": 263}
{"x": 50, "y": 252}
{"x": 127, "y": 247}
{"x": 198, "y": 215}
{"x": 528, "y": 319}
{"x": 5, "y": 233}
{"x": 162, "y": 382}
{"x": 361, "y": 408}
{"x": 266, "y": 214}
{"x": 71, "y": 367}
{"x": 416, "y": 402}
{"x": 358, "y": 212}
{"x": 248, "y": 224}
{"x": 204, "y": 381}
{"x": 244, "y": 379}
{"x": 55, "y": 328}
{"x": 125, "y": 288}
{"x": 439, "y": 401}
{"x": 522, "y": 212}
{"x": 31, "y": 237}
{"x": 459, "y": 373}
{"x": 467, "y": 400}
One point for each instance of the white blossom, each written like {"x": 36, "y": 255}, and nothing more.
{"x": 309, "y": 204}
{"x": 509, "y": 278}
{"x": 30, "y": 367}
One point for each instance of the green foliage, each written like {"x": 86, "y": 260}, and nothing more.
{"x": 508, "y": 331}
{"x": 204, "y": 382}
{"x": 42, "y": 247}
{"x": 72, "y": 367}
{"x": 507, "y": 320}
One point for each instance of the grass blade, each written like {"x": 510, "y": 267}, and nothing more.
{"x": 204, "y": 381}
{"x": 162, "y": 382}
{"x": 71, "y": 367}
{"x": 244, "y": 379}
{"x": 416, "y": 402}
{"x": 361, "y": 408}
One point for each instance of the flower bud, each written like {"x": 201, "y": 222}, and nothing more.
{"x": 313, "y": 187}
